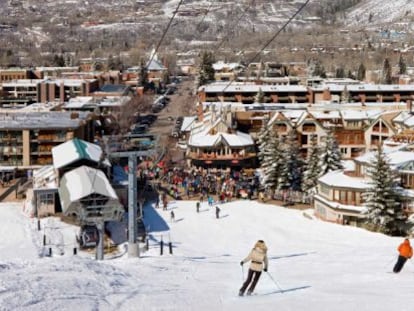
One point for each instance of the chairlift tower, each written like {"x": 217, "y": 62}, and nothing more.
{"x": 133, "y": 247}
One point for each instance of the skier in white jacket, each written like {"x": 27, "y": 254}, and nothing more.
{"x": 258, "y": 263}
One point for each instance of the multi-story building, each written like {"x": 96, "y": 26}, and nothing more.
{"x": 340, "y": 197}
{"x": 19, "y": 92}
{"x": 27, "y": 139}
{"x": 213, "y": 143}
{"x": 246, "y": 93}
{"x": 15, "y": 74}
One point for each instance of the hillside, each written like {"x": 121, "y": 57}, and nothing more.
{"x": 320, "y": 266}
{"x": 372, "y": 13}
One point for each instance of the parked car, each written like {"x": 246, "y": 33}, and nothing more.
{"x": 139, "y": 129}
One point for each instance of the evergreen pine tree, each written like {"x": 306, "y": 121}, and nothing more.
{"x": 259, "y": 97}
{"x": 290, "y": 175}
{"x": 402, "y": 65}
{"x": 206, "y": 71}
{"x": 382, "y": 201}
{"x": 263, "y": 138}
{"x": 340, "y": 72}
{"x": 386, "y": 72}
{"x": 350, "y": 75}
{"x": 143, "y": 75}
{"x": 361, "y": 72}
{"x": 272, "y": 162}
{"x": 330, "y": 159}
{"x": 311, "y": 172}
{"x": 345, "y": 95}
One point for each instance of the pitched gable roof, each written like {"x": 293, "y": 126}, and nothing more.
{"x": 75, "y": 150}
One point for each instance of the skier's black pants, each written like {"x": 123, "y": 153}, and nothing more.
{"x": 400, "y": 264}
{"x": 255, "y": 275}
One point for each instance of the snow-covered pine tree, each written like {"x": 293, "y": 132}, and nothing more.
{"x": 259, "y": 98}
{"x": 263, "y": 138}
{"x": 311, "y": 172}
{"x": 206, "y": 71}
{"x": 345, "y": 95}
{"x": 271, "y": 163}
{"x": 290, "y": 175}
{"x": 330, "y": 159}
{"x": 382, "y": 200}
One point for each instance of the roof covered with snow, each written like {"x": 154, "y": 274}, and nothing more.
{"x": 82, "y": 182}
{"x": 396, "y": 156}
{"x": 236, "y": 87}
{"x": 338, "y": 179}
{"x": 42, "y": 120}
{"x": 75, "y": 150}
{"x": 204, "y": 139}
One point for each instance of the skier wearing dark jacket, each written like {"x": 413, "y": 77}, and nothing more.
{"x": 405, "y": 252}
{"x": 258, "y": 262}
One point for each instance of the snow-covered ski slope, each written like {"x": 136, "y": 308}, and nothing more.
{"x": 320, "y": 266}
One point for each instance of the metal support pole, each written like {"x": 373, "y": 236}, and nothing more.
{"x": 133, "y": 248}
{"x": 100, "y": 246}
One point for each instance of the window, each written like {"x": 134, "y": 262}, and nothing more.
{"x": 324, "y": 189}
{"x": 304, "y": 139}
{"x": 47, "y": 198}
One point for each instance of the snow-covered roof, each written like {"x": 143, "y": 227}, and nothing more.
{"x": 42, "y": 120}
{"x": 220, "y": 65}
{"x": 236, "y": 87}
{"x": 396, "y": 158}
{"x": 405, "y": 118}
{"x": 79, "y": 102}
{"x": 114, "y": 101}
{"x": 364, "y": 87}
{"x": 350, "y": 115}
{"x": 402, "y": 116}
{"x": 45, "y": 177}
{"x": 326, "y": 115}
{"x": 22, "y": 83}
{"x": 83, "y": 181}
{"x": 187, "y": 123}
{"x": 155, "y": 65}
{"x": 204, "y": 139}
{"x": 74, "y": 150}
{"x": 339, "y": 179}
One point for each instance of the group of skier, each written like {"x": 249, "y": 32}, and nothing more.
{"x": 259, "y": 262}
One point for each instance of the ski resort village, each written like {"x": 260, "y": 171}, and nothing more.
{"x": 221, "y": 156}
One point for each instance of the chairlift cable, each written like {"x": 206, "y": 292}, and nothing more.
{"x": 273, "y": 37}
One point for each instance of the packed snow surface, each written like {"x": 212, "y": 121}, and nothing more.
{"x": 320, "y": 266}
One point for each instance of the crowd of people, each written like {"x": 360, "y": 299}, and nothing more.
{"x": 206, "y": 184}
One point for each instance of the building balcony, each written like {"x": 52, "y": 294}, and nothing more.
{"x": 377, "y": 130}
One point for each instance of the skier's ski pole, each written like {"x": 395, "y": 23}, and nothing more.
{"x": 274, "y": 281}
